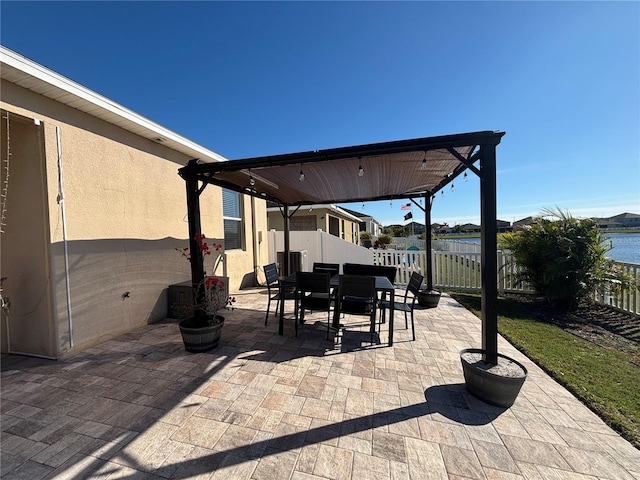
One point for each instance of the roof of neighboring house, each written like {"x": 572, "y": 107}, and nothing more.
{"x": 623, "y": 215}
{"x": 360, "y": 215}
{"x": 20, "y": 70}
{"x": 334, "y": 208}
{"x": 524, "y": 221}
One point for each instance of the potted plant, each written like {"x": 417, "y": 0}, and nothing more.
{"x": 497, "y": 384}
{"x": 365, "y": 239}
{"x": 428, "y": 298}
{"x": 201, "y": 324}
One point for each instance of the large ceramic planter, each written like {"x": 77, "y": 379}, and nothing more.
{"x": 200, "y": 339}
{"x": 428, "y": 299}
{"x": 496, "y": 385}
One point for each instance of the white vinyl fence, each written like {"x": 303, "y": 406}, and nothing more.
{"x": 457, "y": 268}
{"x": 461, "y": 271}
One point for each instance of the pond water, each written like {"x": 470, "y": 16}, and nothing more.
{"x": 625, "y": 246}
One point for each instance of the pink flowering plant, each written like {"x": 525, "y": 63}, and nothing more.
{"x": 214, "y": 297}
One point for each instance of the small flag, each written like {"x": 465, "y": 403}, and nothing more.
{"x": 408, "y": 216}
{"x": 406, "y": 206}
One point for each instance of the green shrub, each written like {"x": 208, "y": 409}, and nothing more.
{"x": 563, "y": 258}
{"x": 385, "y": 239}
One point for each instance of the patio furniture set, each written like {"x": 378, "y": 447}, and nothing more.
{"x": 361, "y": 290}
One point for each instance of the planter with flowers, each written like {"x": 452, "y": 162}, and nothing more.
{"x": 201, "y": 324}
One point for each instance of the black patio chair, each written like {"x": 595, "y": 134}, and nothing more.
{"x": 357, "y": 269}
{"x": 357, "y": 296}
{"x": 313, "y": 294}
{"x": 275, "y": 290}
{"x": 389, "y": 272}
{"x": 331, "y": 268}
{"x": 406, "y": 306}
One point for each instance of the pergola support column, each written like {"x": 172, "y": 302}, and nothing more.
{"x": 197, "y": 259}
{"x": 428, "y": 201}
{"x": 489, "y": 253}
{"x": 287, "y": 240}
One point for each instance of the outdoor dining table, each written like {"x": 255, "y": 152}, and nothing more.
{"x": 383, "y": 285}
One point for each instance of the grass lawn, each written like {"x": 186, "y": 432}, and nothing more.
{"x": 606, "y": 380}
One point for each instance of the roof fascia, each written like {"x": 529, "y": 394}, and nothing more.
{"x": 43, "y": 74}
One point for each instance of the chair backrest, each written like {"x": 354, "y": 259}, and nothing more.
{"x": 357, "y": 269}
{"x": 271, "y": 273}
{"x": 386, "y": 271}
{"x": 357, "y": 294}
{"x": 313, "y": 282}
{"x": 414, "y": 285}
{"x": 331, "y": 268}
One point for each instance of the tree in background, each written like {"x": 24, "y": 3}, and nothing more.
{"x": 563, "y": 258}
{"x": 397, "y": 230}
{"x": 383, "y": 241}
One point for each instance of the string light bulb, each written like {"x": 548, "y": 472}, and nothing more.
{"x": 360, "y": 171}
{"x": 252, "y": 181}
{"x": 465, "y": 176}
{"x": 424, "y": 162}
{"x": 442, "y": 193}
{"x": 301, "y": 174}
{"x": 452, "y": 187}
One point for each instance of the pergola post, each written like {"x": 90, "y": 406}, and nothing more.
{"x": 287, "y": 243}
{"x": 489, "y": 253}
{"x": 197, "y": 260}
{"x": 428, "y": 200}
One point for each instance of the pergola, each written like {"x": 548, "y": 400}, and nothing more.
{"x": 405, "y": 169}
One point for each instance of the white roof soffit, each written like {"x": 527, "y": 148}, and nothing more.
{"x": 320, "y": 206}
{"x": 28, "y": 74}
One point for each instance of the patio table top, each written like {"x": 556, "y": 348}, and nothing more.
{"x": 264, "y": 406}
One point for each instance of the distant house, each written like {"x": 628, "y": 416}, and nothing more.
{"x": 503, "y": 226}
{"x": 440, "y": 228}
{"x": 416, "y": 228}
{"x": 469, "y": 228}
{"x": 328, "y": 218}
{"x": 518, "y": 224}
{"x": 623, "y": 220}
{"x": 367, "y": 222}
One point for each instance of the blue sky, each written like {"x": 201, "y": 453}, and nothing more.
{"x": 250, "y": 79}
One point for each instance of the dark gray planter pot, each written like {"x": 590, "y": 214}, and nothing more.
{"x": 428, "y": 299}
{"x": 497, "y": 390}
{"x": 200, "y": 339}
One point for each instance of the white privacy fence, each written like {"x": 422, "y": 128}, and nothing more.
{"x": 318, "y": 246}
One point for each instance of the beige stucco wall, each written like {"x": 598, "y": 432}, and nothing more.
{"x": 125, "y": 212}
{"x": 348, "y": 228}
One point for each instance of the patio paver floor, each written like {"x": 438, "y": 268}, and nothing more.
{"x": 264, "y": 406}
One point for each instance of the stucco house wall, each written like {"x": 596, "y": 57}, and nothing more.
{"x": 92, "y": 256}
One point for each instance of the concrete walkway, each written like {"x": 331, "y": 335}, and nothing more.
{"x": 263, "y": 406}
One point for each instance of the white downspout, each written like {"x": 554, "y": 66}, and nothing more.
{"x": 64, "y": 236}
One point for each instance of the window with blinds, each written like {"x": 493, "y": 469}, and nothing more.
{"x": 233, "y": 221}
